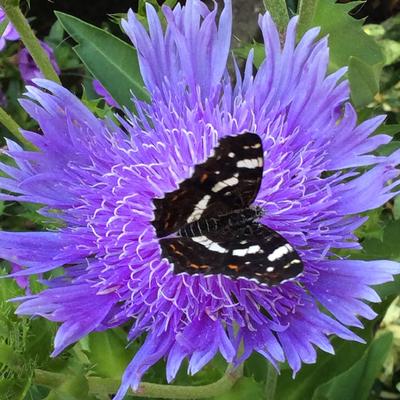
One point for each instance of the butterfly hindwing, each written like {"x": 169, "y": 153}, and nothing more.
{"x": 255, "y": 252}
{"x": 214, "y": 186}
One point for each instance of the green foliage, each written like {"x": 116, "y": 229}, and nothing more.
{"x": 109, "y": 59}
{"x": 328, "y": 366}
{"x": 357, "y": 381}
{"x": 75, "y": 387}
{"x": 245, "y": 388}
{"x": 360, "y": 53}
{"x": 388, "y": 247}
{"x": 350, "y": 45}
{"x": 108, "y": 352}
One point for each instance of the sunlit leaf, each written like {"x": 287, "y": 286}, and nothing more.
{"x": 350, "y": 45}
{"x": 110, "y": 60}
{"x": 108, "y": 353}
{"x": 357, "y": 382}
{"x": 245, "y": 388}
{"x": 310, "y": 377}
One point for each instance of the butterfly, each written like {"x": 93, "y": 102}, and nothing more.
{"x": 209, "y": 225}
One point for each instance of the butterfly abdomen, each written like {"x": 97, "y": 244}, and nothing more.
{"x": 235, "y": 220}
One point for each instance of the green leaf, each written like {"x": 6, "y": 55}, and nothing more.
{"x": 40, "y": 343}
{"x": 349, "y": 45}
{"x": 256, "y": 366}
{"x": 56, "y": 34}
{"x": 389, "y": 129}
{"x": 388, "y": 148}
{"x": 110, "y": 60}
{"x": 3, "y": 25}
{"x": 259, "y": 52}
{"x": 307, "y": 10}
{"x": 396, "y": 208}
{"x": 388, "y": 248}
{"x": 9, "y": 357}
{"x": 374, "y": 30}
{"x": 356, "y": 383}
{"x": 279, "y": 12}
{"x": 310, "y": 377}
{"x": 74, "y": 388}
{"x": 364, "y": 81}
{"x": 245, "y": 388}
{"x": 108, "y": 353}
{"x": 391, "y": 50}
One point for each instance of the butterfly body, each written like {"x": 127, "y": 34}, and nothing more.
{"x": 235, "y": 220}
{"x": 210, "y": 226}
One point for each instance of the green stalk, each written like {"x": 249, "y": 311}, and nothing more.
{"x": 14, "y": 14}
{"x": 109, "y": 386}
{"x": 14, "y": 129}
{"x": 271, "y": 382}
{"x": 279, "y": 13}
{"x": 307, "y": 12}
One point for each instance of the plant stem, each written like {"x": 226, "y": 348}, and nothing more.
{"x": 270, "y": 384}
{"x": 307, "y": 10}
{"x": 14, "y": 129}
{"x": 110, "y": 386}
{"x": 279, "y": 13}
{"x": 29, "y": 39}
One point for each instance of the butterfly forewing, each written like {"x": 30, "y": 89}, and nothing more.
{"x": 228, "y": 180}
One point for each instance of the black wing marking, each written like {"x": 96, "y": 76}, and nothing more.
{"x": 256, "y": 253}
{"x": 228, "y": 180}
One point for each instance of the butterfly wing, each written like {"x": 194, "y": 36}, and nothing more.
{"x": 228, "y": 180}
{"x": 255, "y": 253}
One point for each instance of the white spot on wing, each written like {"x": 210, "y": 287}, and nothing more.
{"x": 223, "y": 184}
{"x": 204, "y": 241}
{"x": 199, "y": 209}
{"x": 251, "y": 250}
{"x": 239, "y": 252}
{"x": 278, "y": 253}
{"x": 250, "y": 163}
{"x": 231, "y": 154}
{"x": 216, "y": 247}
{"x": 254, "y": 249}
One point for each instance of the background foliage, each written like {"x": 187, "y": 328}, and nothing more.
{"x": 371, "y": 48}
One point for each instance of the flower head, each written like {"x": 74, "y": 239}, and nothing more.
{"x": 28, "y": 68}
{"x": 9, "y": 33}
{"x": 101, "y": 183}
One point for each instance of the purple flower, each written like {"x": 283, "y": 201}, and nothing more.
{"x": 28, "y": 68}
{"x": 101, "y": 184}
{"x": 103, "y": 92}
{"x": 9, "y": 32}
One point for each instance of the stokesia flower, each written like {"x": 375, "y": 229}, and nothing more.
{"x": 27, "y": 66}
{"x": 9, "y": 33}
{"x": 101, "y": 179}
